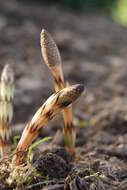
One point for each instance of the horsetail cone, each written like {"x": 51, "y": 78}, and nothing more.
{"x": 44, "y": 114}
{"x": 52, "y": 58}
{"x": 6, "y": 108}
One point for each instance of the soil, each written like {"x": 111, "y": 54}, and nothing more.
{"x": 94, "y": 52}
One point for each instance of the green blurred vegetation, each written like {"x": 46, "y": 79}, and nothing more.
{"x": 119, "y": 12}
{"x": 85, "y": 4}
{"x": 118, "y": 8}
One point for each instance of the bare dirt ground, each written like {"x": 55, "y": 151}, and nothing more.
{"x": 94, "y": 52}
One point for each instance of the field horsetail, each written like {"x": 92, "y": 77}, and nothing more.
{"x": 6, "y": 109}
{"x": 54, "y": 104}
{"x": 52, "y": 59}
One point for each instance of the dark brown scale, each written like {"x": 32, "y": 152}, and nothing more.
{"x": 65, "y": 129}
{"x": 33, "y": 128}
{"x": 68, "y": 128}
{"x": 60, "y": 80}
{"x": 58, "y": 95}
{"x": 27, "y": 127}
{"x": 64, "y": 104}
{"x": 21, "y": 155}
{"x": 4, "y": 142}
{"x": 43, "y": 109}
{"x": 6, "y": 99}
{"x": 49, "y": 114}
{"x": 7, "y": 125}
{"x": 57, "y": 83}
{"x": 7, "y": 119}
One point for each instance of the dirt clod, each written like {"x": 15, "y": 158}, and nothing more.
{"x": 53, "y": 166}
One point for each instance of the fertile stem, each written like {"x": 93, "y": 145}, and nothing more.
{"x": 52, "y": 59}
{"x": 44, "y": 114}
{"x": 6, "y": 109}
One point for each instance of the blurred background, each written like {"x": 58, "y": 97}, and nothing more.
{"x": 92, "y": 39}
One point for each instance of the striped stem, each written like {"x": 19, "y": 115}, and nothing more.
{"x": 6, "y": 109}
{"x": 44, "y": 114}
{"x": 52, "y": 59}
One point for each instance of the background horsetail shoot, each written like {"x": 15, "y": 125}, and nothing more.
{"x": 6, "y": 109}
